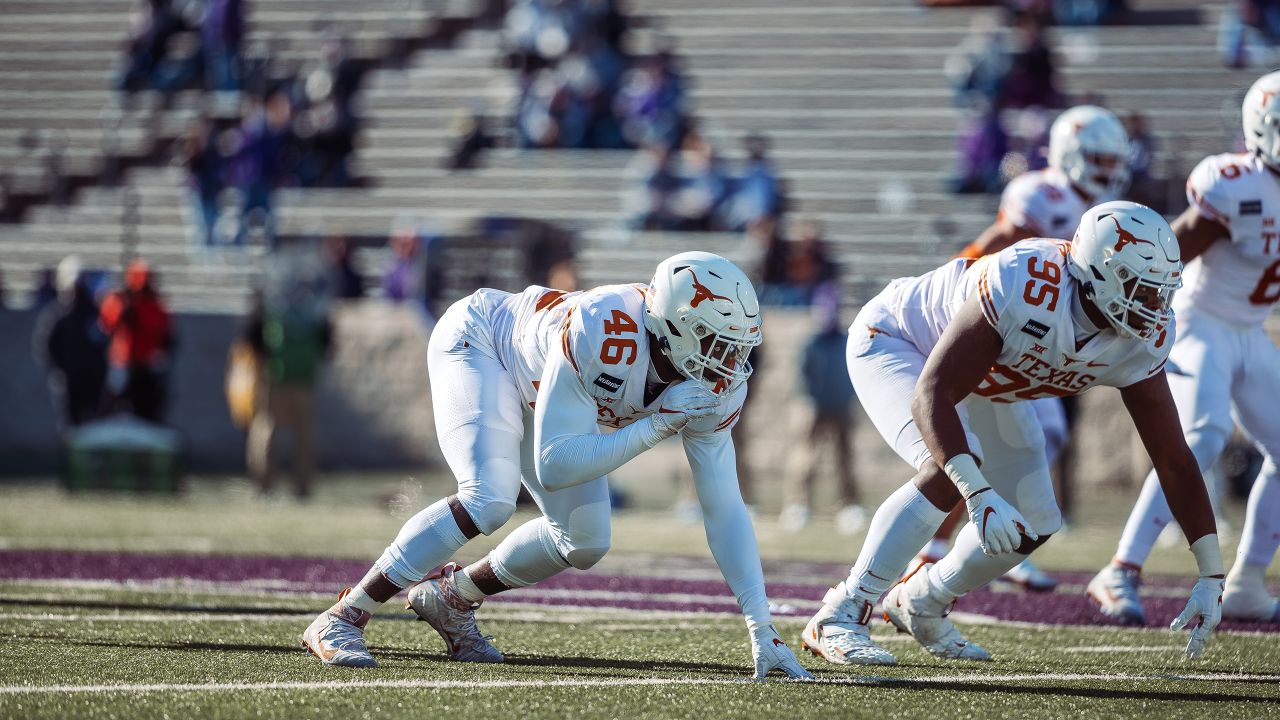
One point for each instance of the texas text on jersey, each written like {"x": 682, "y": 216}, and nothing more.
{"x": 1237, "y": 281}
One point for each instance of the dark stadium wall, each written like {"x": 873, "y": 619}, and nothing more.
{"x": 373, "y": 407}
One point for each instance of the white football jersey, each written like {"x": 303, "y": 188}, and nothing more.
{"x": 1027, "y": 296}
{"x": 601, "y": 332}
{"x": 1237, "y": 281}
{"x": 1044, "y": 203}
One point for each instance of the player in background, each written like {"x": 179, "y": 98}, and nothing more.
{"x": 1088, "y": 155}
{"x": 942, "y": 363}
{"x": 1223, "y": 363}
{"x": 523, "y": 386}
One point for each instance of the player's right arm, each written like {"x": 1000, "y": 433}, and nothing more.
{"x": 1209, "y": 195}
{"x": 1024, "y": 213}
{"x": 1150, "y": 404}
{"x": 964, "y": 354}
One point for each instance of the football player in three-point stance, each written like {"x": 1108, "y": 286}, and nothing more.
{"x": 1222, "y": 360}
{"x": 1088, "y": 156}
{"x": 522, "y": 385}
{"x": 942, "y": 362}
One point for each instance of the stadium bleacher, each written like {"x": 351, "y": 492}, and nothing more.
{"x": 851, "y": 94}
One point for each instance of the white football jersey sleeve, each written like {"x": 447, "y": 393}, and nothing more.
{"x": 1238, "y": 280}
{"x": 1043, "y": 203}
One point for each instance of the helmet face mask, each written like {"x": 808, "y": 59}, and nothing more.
{"x": 704, "y": 312}
{"x": 1261, "y": 118}
{"x": 1090, "y": 146}
{"x": 1128, "y": 263}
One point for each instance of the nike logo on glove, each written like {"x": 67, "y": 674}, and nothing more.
{"x": 985, "y": 516}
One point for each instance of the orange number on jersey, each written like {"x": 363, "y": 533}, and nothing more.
{"x": 1050, "y": 274}
{"x": 613, "y": 351}
{"x": 619, "y": 350}
{"x": 1001, "y": 380}
{"x": 620, "y": 323}
{"x": 1268, "y": 289}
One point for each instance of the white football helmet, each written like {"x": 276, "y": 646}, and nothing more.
{"x": 705, "y": 315}
{"x": 1128, "y": 263}
{"x": 1261, "y": 112}
{"x": 1089, "y": 144}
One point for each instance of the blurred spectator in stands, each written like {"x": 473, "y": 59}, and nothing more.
{"x": 825, "y": 381}
{"x": 4, "y": 301}
{"x": 1250, "y": 33}
{"x": 45, "y": 291}
{"x": 221, "y": 36}
{"x": 265, "y": 143}
{"x": 292, "y": 334}
{"x": 775, "y": 254}
{"x": 982, "y": 146}
{"x": 651, "y": 102}
{"x": 72, "y": 347}
{"x": 203, "y": 161}
{"x": 1088, "y": 12}
{"x": 468, "y": 138}
{"x": 326, "y": 125}
{"x": 650, "y": 189}
{"x": 414, "y": 272}
{"x": 977, "y": 67}
{"x": 757, "y": 194}
{"x": 153, "y": 24}
{"x": 810, "y": 266}
{"x": 1144, "y": 186}
{"x": 141, "y": 340}
{"x": 703, "y": 186}
{"x": 345, "y": 283}
{"x": 1032, "y": 79}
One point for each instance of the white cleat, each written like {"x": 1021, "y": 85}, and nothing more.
{"x": 1026, "y": 575}
{"x": 336, "y": 636}
{"x": 1115, "y": 590}
{"x": 1249, "y": 601}
{"x": 911, "y": 609}
{"x": 840, "y": 633}
{"x": 436, "y": 600}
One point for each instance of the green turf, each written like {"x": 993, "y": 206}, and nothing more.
{"x": 50, "y": 639}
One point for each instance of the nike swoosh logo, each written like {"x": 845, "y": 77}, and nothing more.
{"x": 985, "y": 516}
{"x": 777, "y": 642}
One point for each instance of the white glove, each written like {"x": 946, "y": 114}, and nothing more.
{"x": 770, "y": 653}
{"x": 1202, "y": 614}
{"x": 689, "y": 400}
{"x": 1000, "y": 526}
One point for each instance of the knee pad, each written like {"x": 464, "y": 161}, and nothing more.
{"x": 488, "y": 513}
{"x": 584, "y": 539}
{"x": 1044, "y": 521}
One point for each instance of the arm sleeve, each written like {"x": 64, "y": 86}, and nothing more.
{"x": 728, "y": 525}
{"x": 571, "y": 450}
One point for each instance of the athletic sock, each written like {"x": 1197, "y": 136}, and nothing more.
{"x": 425, "y": 541}
{"x": 528, "y": 555}
{"x": 967, "y": 568}
{"x": 1146, "y": 521}
{"x": 1261, "y": 534}
{"x": 900, "y": 528}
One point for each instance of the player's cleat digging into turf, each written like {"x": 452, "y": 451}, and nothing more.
{"x": 840, "y": 632}
{"x": 912, "y": 608}
{"x": 336, "y": 636}
{"x": 437, "y": 601}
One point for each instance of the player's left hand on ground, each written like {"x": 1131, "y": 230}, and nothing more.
{"x": 770, "y": 653}
{"x": 1202, "y": 614}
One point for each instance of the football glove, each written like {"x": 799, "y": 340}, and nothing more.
{"x": 770, "y": 653}
{"x": 1202, "y": 614}
{"x": 1000, "y": 526}
{"x": 689, "y": 400}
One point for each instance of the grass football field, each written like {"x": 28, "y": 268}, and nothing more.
{"x": 119, "y": 607}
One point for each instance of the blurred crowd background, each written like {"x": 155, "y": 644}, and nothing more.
{"x": 244, "y": 188}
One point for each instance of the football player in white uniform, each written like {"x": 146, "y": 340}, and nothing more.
{"x": 942, "y": 362}
{"x": 1088, "y": 155}
{"x": 1223, "y": 363}
{"x": 522, "y": 386}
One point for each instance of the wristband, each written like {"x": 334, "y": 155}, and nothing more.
{"x": 964, "y": 472}
{"x": 1208, "y": 556}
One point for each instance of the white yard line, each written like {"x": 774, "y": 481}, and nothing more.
{"x": 1123, "y": 649}
{"x": 607, "y": 682}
